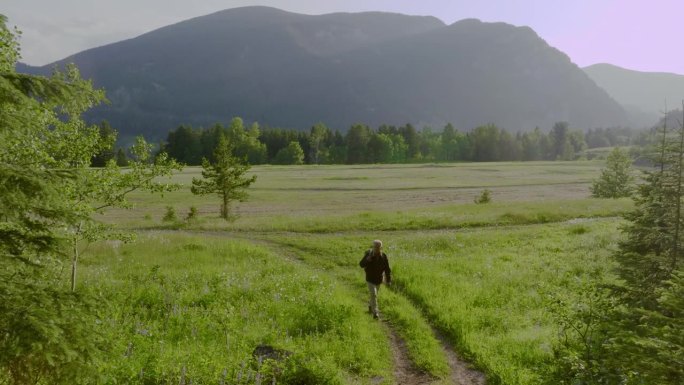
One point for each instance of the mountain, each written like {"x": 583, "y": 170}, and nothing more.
{"x": 642, "y": 94}
{"x": 292, "y": 70}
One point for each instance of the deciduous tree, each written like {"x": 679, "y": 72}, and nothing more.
{"x": 616, "y": 178}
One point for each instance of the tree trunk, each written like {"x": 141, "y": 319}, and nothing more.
{"x": 224, "y": 207}
{"x": 74, "y": 262}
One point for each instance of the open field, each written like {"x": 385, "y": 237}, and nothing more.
{"x": 299, "y": 194}
{"x": 192, "y": 300}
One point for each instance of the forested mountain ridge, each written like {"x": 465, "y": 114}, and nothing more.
{"x": 291, "y": 70}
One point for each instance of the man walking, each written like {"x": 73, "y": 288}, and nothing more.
{"x": 375, "y": 263}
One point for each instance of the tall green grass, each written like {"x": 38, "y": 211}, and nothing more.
{"x": 486, "y": 289}
{"x": 182, "y": 308}
{"x": 424, "y": 350}
{"x": 193, "y": 309}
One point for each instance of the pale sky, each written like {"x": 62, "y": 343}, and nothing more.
{"x": 636, "y": 34}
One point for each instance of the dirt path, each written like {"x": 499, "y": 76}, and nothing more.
{"x": 461, "y": 372}
{"x": 405, "y": 372}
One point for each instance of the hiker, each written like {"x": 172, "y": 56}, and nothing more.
{"x": 375, "y": 263}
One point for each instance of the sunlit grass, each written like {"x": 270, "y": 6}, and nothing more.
{"x": 480, "y": 274}
{"x": 196, "y": 308}
{"x": 484, "y": 288}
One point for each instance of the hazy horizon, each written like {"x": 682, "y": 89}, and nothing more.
{"x": 628, "y": 34}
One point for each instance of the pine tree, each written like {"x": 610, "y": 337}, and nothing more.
{"x": 616, "y": 179}
{"x": 650, "y": 265}
{"x": 653, "y": 250}
{"x": 225, "y": 177}
{"x": 108, "y": 137}
{"x": 121, "y": 158}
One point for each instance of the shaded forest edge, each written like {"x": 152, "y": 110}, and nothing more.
{"x": 386, "y": 144}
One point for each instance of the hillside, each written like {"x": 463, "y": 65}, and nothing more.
{"x": 292, "y": 70}
{"x": 643, "y": 94}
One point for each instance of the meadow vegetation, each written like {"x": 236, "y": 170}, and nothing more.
{"x": 483, "y": 276}
{"x": 192, "y": 309}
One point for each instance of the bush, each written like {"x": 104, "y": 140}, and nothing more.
{"x": 170, "y": 215}
{"x": 616, "y": 179}
{"x": 292, "y": 154}
{"x": 47, "y": 332}
{"x": 484, "y": 198}
{"x": 192, "y": 214}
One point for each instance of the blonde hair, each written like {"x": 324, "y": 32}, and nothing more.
{"x": 377, "y": 243}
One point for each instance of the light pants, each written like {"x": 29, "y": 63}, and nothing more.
{"x": 373, "y": 302}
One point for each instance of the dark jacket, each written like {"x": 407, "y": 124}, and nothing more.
{"x": 375, "y": 266}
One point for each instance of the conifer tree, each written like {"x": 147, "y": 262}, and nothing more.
{"x": 650, "y": 265}
{"x": 224, "y": 177}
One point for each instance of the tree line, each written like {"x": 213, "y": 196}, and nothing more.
{"x": 390, "y": 144}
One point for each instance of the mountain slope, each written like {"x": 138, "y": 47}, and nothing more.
{"x": 643, "y": 94}
{"x": 472, "y": 73}
{"x": 291, "y": 70}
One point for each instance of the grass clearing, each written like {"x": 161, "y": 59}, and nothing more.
{"x": 484, "y": 288}
{"x": 196, "y": 306}
{"x": 304, "y": 193}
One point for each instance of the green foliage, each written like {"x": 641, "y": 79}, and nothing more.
{"x": 484, "y": 198}
{"x": 653, "y": 249}
{"x": 48, "y": 334}
{"x": 318, "y": 137}
{"x": 616, "y": 179}
{"x": 636, "y": 342}
{"x": 245, "y": 143}
{"x": 121, "y": 158}
{"x": 561, "y": 148}
{"x": 483, "y": 142}
{"x": 108, "y": 138}
{"x": 357, "y": 143}
{"x": 170, "y": 215}
{"x": 192, "y": 215}
{"x": 94, "y": 191}
{"x": 390, "y": 144}
{"x": 292, "y": 154}
{"x": 585, "y": 313}
{"x": 225, "y": 177}
{"x": 49, "y": 199}
{"x": 190, "y": 145}
{"x": 650, "y": 261}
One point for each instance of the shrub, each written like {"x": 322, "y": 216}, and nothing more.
{"x": 484, "y": 198}
{"x": 616, "y": 179}
{"x": 192, "y": 214}
{"x": 170, "y": 215}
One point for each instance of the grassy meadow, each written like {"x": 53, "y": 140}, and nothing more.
{"x": 190, "y": 300}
